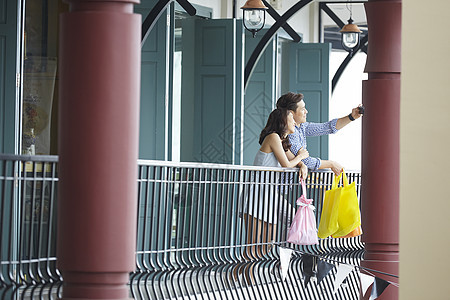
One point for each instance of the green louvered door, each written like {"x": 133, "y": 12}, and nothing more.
{"x": 8, "y": 144}
{"x": 152, "y": 129}
{"x": 259, "y": 96}
{"x": 8, "y": 53}
{"x": 211, "y": 91}
{"x": 309, "y": 75}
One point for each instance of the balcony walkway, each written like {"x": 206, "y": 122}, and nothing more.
{"x": 191, "y": 233}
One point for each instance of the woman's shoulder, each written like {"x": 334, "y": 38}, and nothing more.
{"x": 273, "y": 136}
{"x": 269, "y": 141}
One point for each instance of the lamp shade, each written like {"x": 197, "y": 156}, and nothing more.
{"x": 254, "y": 4}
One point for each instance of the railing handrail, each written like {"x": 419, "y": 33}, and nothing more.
{"x": 37, "y": 158}
{"x": 162, "y": 163}
{"x": 198, "y": 165}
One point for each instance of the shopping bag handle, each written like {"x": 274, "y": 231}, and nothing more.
{"x": 303, "y": 186}
{"x": 344, "y": 178}
{"x": 336, "y": 180}
{"x": 307, "y": 202}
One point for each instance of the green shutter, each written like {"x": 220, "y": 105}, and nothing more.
{"x": 8, "y": 53}
{"x": 309, "y": 75}
{"x": 152, "y": 141}
{"x": 211, "y": 91}
{"x": 8, "y": 41}
{"x": 259, "y": 99}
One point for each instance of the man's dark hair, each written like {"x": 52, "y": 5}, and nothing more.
{"x": 289, "y": 101}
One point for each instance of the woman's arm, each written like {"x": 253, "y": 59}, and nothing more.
{"x": 274, "y": 142}
{"x": 302, "y": 152}
{"x": 303, "y": 168}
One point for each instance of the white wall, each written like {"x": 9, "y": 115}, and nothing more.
{"x": 305, "y": 21}
{"x": 345, "y": 145}
{"x": 216, "y": 5}
{"x": 300, "y": 21}
{"x": 424, "y": 152}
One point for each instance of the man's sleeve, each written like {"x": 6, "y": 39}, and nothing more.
{"x": 294, "y": 140}
{"x": 317, "y": 129}
{"x": 312, "y": 163}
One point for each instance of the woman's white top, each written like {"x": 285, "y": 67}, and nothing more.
{"x": 261, "y": 196}
{"x": 266, "y": 159}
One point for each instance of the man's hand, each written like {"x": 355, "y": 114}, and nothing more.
{"x": 336, "y": 168}
{"x": 355, "y": 112}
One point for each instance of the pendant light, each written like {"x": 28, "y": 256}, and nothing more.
{"x": 254, "y": 15}
{"x": 350, "y": 34}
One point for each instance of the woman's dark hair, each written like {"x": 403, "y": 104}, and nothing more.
{"x": 289, "y": 101}
{"x": 277, "y": 122}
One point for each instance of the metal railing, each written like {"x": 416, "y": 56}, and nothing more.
{"x": 28, "y": 227}
{"x": 196, "y": 237}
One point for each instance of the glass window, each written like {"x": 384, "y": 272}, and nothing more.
{"x": 40, "y": 69}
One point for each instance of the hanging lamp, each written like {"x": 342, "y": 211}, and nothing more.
{"x": 254, "y": 15}
{"x": 351, "y": 35}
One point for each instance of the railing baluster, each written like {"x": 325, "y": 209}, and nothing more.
{"x": 6, "y": 224}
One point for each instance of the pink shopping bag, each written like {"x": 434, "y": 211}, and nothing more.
{"x": 303, "y": 229}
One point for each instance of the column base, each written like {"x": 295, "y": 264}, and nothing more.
{"x": 383, "y": 258}
{"x": 83, "y": 285}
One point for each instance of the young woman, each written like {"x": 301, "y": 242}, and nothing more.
{"x": 262, "y": 200}
{"x": 275, "y": 144}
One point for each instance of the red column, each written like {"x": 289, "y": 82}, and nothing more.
{"x": 380, "y": 143}
{"x": 98, "y": 147}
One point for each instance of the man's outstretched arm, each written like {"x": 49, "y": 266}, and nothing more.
{"x": 342, "y": 122}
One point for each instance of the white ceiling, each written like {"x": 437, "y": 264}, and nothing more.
{"x": 342, "y": 11}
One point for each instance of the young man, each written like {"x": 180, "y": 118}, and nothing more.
{"x": 295, "y": 103}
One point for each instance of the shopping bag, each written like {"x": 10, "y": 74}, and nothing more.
{"x": 349, "y": 216}
{"x": 353, "y": 233}
{"x": 328, "y": 223}
{"x": 303, "y": 229}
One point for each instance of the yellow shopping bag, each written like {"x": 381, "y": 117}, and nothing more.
{"x": 349, "y": 216}
{"x": 329, "y": 218}
{"x": 340, "y": 211}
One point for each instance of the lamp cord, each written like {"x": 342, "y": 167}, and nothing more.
{"x": 349, "y": 9}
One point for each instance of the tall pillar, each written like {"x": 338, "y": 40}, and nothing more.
{"x": 98, "y": 147}
{"x": 380, "y": 141}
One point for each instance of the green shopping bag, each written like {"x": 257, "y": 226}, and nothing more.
{"x": 329, "y": 218}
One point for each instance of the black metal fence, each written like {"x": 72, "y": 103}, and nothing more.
{"x": 28, "y": 227}
{"x": 196, "y": 237}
